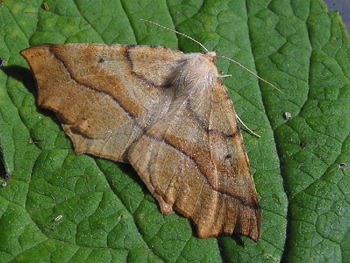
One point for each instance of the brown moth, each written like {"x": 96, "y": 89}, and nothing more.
{"x": 166, "y": 113}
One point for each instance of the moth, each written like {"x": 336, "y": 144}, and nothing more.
{"x": 166, "y": 113}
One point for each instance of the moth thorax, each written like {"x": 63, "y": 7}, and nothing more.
{"x": 195, "y": 70}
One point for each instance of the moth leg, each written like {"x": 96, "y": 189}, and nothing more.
{"x": 247, "y": 128}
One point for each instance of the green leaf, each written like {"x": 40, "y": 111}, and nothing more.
{"x": 107, "y": 212}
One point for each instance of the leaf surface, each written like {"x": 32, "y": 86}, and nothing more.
{"x": 108, "y": 213}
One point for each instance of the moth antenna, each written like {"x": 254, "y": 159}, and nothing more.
{"x": 177, "y": 32}
{"x": 251, "y": 72}
{"x": 207, "y": 51}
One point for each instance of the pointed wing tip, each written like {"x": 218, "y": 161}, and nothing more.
{"x": 252, "y": 230}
